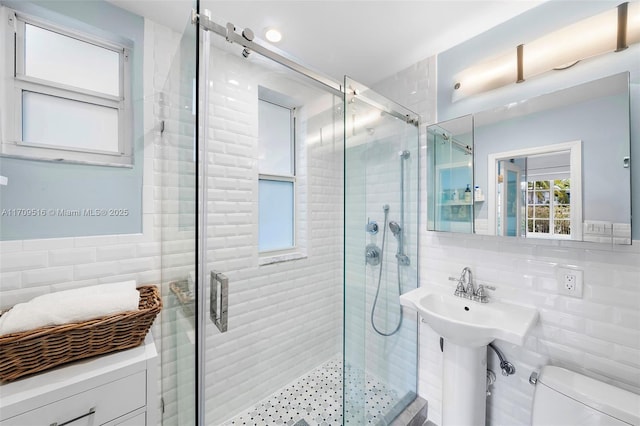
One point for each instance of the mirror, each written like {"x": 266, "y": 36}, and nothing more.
{"x": 554, "y": 167}
{"x": 450, "y": 157}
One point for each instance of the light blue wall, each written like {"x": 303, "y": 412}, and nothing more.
{"x": 528, "y": 26}
{"x": 49, "y": 185}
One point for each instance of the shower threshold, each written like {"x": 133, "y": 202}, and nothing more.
{"x": 315, "y": 399}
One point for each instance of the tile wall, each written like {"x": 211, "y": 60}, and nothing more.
{"x": 285, "y": 317}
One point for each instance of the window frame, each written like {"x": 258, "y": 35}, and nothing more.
{"x": 575, "y": 174}
{"x": 284, "y": 178}
{"x": 17, "y": 82}
{"x": 552, "y": 204}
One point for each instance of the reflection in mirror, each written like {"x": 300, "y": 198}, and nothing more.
{"x": 532, "y": 194}
{"x": 557, "y": 166}
{"x": 450, "y": 168}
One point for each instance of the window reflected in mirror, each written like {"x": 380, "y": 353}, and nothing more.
{"x": 532, "y": 195}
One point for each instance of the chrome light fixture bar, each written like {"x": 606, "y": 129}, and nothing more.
{"x": 610, "y": 31}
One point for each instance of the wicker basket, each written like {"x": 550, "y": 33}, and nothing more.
{"x": 36, "y": 350}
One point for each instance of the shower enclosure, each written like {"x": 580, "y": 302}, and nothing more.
{"x": 381, "y": 188}
{"x": 271, "y": 174}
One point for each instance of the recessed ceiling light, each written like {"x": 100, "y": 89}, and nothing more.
{"x": 273, "y": 35}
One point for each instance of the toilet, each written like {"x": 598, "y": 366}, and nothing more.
{"x": 566, "y": 398}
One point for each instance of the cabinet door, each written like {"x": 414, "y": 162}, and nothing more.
{"x": 92, "y": 407}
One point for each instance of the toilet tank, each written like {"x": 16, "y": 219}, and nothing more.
{"x": 566, "y": 398}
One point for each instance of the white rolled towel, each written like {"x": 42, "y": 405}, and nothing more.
{"x": 71, "y": 306}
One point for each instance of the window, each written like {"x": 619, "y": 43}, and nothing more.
{"x": 276, "y": 186}
{"x": 549, "y": 208}
{"x": 67, "y": 95}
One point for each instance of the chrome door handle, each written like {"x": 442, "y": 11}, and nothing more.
{"x": 218, "y": 314}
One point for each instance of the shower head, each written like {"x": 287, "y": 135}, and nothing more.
{"x": 404, "y": 154}
{"x": 395, "y": 228}
{"x": 385, "y": 208}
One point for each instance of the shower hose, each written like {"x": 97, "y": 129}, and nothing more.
{"x": 375, "y": 300}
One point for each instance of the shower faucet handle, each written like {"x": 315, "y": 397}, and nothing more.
{"x": 372, "y": 227}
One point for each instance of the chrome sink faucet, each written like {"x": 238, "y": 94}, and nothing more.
{"x": 469, "y": 291}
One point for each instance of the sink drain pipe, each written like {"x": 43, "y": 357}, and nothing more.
{"x": 506, "y": 367}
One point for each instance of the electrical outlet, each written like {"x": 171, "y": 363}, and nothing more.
{"x": 570, "y": 281}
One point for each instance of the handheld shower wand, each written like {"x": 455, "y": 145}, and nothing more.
{"x": 397, "y": 232}
{"x": 395, "y": 229}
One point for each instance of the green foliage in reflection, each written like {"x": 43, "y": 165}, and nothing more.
{"x": 540, "y": 206}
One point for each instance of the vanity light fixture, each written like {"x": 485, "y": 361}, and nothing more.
{"x": 610, "y": 31}
{"x": 273, "y": 35}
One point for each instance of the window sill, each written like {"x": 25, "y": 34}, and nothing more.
{"x": 279, "y": 258}
{"x": 88, "y": 159}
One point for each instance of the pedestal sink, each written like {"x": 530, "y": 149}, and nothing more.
{"x": 468, "y": 327}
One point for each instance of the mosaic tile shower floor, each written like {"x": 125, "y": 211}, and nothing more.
{"x": 315, "y": 399}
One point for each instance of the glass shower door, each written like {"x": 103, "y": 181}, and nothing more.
{"x": 174, "y": 104}
{"x": 381, "y": 262}
{"x": 282, "y": 341}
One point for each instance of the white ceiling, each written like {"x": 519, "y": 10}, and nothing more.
{"x": 367, "y": 40}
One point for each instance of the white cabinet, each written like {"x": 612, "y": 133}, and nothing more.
{"x": 114, "y": 389}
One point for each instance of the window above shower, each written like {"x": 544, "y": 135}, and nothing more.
{"x": 67, "y": 93}
{"x": 277, "y": 176}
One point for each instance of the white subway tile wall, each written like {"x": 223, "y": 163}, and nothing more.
{"x": 26, "y": 274}
{"x": 597, "y": 335}
{"x": 285, "y": 318}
